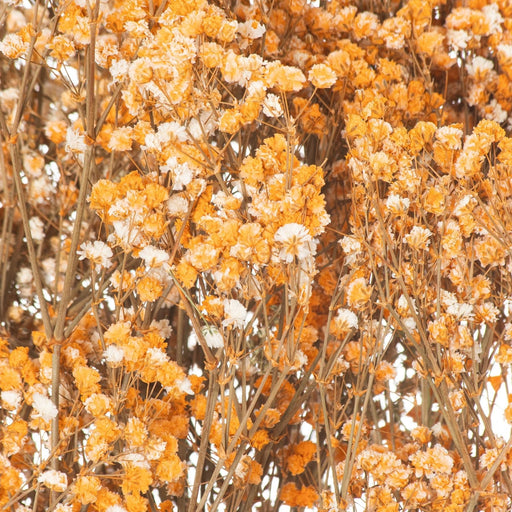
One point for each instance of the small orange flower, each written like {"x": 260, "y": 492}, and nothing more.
{"x": 260, "y": 439}
{"x": 14, "y": 437}
{"x": 186, "y": 273}
{"x": 285, "y": 78}
{"x": 385, "y": 371}
{"x": 149, "y": 289}
{"x": 87, "y": 380}
{"x": 170, "y": 468}
{"x": 254, "y": 473}
{"x": 86, "y": 489}
{"x": 135, "y": 502}
{"x": 429, "y": 42}
{"x": 62, "y": 48}
{"x": 135, "y": 432}
{"x": 198, "y": 407}
{"x": 304, "y": 497}
{"x": 322, "y": 76}
{"x": 136, "y": 479}
{"x": 299, "y": 456}
{"x": 56, "y": 131}
{"x": 358, "y": 292}
{"x": 103, "y": 195}
{"x": 231, "y": 121}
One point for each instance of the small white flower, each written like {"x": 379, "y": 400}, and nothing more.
{"x": 97, "y": 252}
{"x": 55, "y": 480}
{"x": 153, "y": 257}
{"x": 234, "y": 313}
{"x": 403, "y": 304}
{"x": 241, "y": 469}
{"x": 461, "y": 311}
{"x": 177, "y": 205}
{"x": 397, "y": 204}
{"x": 418, "y": 238}
{"x": 49, "y": 269}
{"x": 138, "y": 29}
{"x": 41, "y": 189}
{"x": 106, "y": 48}
{"x": 11, "y": 399}
{"x": 114, "y": 355}
{"x": 183, "y": 175}
{"x": 409, "y": 323}
{"x": 44, "y": 406}
{"x": 450, "y": 136}
{"x": 350, "y": 244}
{"x": 185, "y": 386}
{"x": 505, "y": 51}
{"x": 272, "y": 106}
{"x": 212, "y": 336}
{"x": 134, "y": 459}
{"x": 299, "y": 360}
{"x": 25, "y": 282}
{"x": 13, "y": 46}
{"x": 156, "y": 357}
{"x": 495, "y": 112}
{"x": 195, "y": 129}
{"x": 352, "y": 248}
{"x": 74, "y": 141}
{"x": 119, "y": 69}
{"x": 296, "y": 242}
{"x": 493, "y": 17}
{"x": 251, "y": 29}
{"x": 127, "y": 234}
{"x": 346, "y": 319}
{"x": 457, "y": 399}
{"x": 71, "y": 353}
{"x": 458, "y": 39}
{"x": 24, "y": 276}
{"x": 36, "y": 229}
{"x": 166, "y": 133}
{"x": 479, "y": 67}
{"x": 162, "y": 326}
{"x": 447, "y": 298}
{"x": 63, "y": 508}
{"x": 116, "y": 508}
{"x": 256, "y": 88}
{"x": 154, "y": 448}
{"x": 8, "y": 98}
{"x": 465, "y": 205}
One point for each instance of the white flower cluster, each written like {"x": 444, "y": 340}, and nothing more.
{"x": 97, "y": 252}
{"x": 296, "y": 242}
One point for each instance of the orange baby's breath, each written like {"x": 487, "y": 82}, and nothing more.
{"x": 198, "y": 407}
{"x": 87, "y": 380}
{"x": 135, "y": 502}
{"x": 322, "y": 76}
{"x": 86, "y": 489}
{"x": 170, "y": 468}
{"x": 304, "y": 497}
{"x": 260, "y": 439}
{"x": 299, "y": 456}
{"x": 149, "y": 289}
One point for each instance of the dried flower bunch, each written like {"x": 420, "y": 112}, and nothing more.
{"x": 255, "y": 255}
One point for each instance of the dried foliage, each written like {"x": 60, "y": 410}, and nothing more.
{"x": 255, "y": 255}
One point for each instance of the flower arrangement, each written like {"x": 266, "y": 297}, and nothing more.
{"x": 256, "y": 255}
